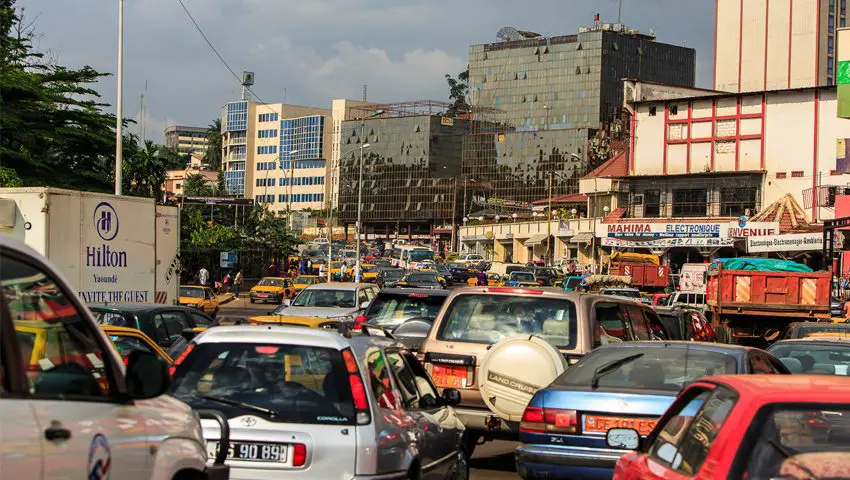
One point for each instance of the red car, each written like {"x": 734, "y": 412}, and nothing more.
{"x": 745, "y": 427}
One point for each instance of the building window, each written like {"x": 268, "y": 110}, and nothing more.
{"x": 652, "y": 203}
{"x": 797, "y": 174}
{"x": 690, "y": 202}
{"x": 735, "y": 201}
{"x": 781, "y": 175}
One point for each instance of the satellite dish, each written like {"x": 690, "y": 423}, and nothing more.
{"x": 509, "y": 34}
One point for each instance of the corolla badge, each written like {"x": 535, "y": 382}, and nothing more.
{"x": 248, "y": 421}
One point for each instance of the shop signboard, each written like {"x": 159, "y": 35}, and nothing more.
{"x": 662, "y": 243}
{"x": 794, "y": 242}
{"x": 639, "y": 230}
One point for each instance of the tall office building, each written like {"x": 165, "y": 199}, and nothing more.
{"x": 276, "y": 154}
{"x": 341, "y": 110}
{"x": 410, "y": 166}
{"x": 185, "y": 140}
{"x": 775, "y": 44}
{"x": 545, "y": 98}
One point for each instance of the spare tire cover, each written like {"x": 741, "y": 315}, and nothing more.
{"x": 513, "y": 370}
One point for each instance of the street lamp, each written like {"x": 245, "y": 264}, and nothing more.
{"x": 359, "y": 225}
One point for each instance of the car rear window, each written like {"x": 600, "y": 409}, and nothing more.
{"x": 395, "y": 308}
{"x": 814, "y": 359}
{"x": 490, "y": 318}
{"x": 801, "y": 440}
{"x": 113, "y": 318}
{"x": 192, "y": 292}
{"x": 283, "y": 383}
{"x": 834, "y": 330}
{"x": 646, "y": 368}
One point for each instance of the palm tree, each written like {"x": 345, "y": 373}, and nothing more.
{"x": 213, "y": 156}
{"x": 143, "y": 169}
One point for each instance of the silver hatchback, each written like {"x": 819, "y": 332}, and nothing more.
{"x": 316, "y": 404}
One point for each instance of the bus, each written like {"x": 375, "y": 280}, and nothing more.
{"x": 407, "y": 256}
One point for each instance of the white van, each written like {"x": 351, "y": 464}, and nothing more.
{"x": 692, "y": 299}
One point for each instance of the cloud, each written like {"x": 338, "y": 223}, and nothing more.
{"x": 312, "y": 51}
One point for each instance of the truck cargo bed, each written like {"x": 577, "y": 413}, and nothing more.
{"x": 747, "y": 292}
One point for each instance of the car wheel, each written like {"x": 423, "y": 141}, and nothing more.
{"x": 460, "y": 469}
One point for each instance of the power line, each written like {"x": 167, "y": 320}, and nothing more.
{"x": 217, "y": 54}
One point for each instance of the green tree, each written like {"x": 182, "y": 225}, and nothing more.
{"x": 215, "y": 236}
{"x": 196, "y": 185}
{"x": 53, "y": 130}
{"x": 143, "y": 169}
{"x": 213, "y": 155}
{"x": 263, "y": 228}
{"x": 458, "y": 89}
{"x": 9, "y": 178}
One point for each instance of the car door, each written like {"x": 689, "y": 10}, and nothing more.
{"x": 85, "y": 428}
{"x": 20, "y": 435}
{"x": 434, "y": 425}
{"x": 759, "y": 364}
{"x": 637, "y": 322}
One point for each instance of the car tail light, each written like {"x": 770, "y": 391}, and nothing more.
{"x": 548, "y": 420}
{"x": 358, "y": 390}
{"x": 540, "y": 282}
{"x": 520, "y": 291}
{"x": 180, "y": 359}
{"x": 299, "y": 454}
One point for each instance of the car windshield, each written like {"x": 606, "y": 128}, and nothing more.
{"x": 548, "y": 272}
{"x": 661, "y": 368}
{"x": 482, "y": 318}
{"x": 271, "y": 282}
{"x": 522, "y": 277}
{"x": 383, "y": 263}
{"x": 420, "y": 255}
{"x": 325, "y": 298}
{"x": 288, "y": 383}
{"x": 350, "y": 254}
{"x": 104, "y": 317}
{"x": 192, "y": 292}
{"x": 370, "y": 269}
{"x": 455, "y": 265}
{"x": 422, "y": 278}
{"x": 824, "y": 359}
{"x": 313, "y": 253}
{"x": 801, "y": 437}
{"x": 395, "y": 308}
{"x": 393, "y": 274}
{"x": 126, "y": 345}
{"x": 304, "y": 280}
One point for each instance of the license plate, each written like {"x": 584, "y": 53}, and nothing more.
{"x": 600, "y": 424}
{"x": 449, "y": 376}
{"x": 252, "y": 452}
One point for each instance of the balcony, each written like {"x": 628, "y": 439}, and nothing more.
{"x": 235, "y": 157}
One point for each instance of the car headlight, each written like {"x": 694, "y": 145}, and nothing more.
{"x": 345, "y": 318}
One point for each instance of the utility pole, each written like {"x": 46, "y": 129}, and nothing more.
{"x": 119, "y": 114}
{"x": 549, "y": 222}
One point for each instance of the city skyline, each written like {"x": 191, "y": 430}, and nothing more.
{"x": 400, "y": 49}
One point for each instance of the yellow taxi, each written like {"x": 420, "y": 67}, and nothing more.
{"x": 272, "y": 289}
{"x": 336, "y": 270}
{"x": 294, "y": 321}
{"x": 200, "y": 297}
{"x": 494, "y": 280}
{"x": 128, "y": 339}
{"x": 303, "y": 281}
{"x": 370, "y": 273}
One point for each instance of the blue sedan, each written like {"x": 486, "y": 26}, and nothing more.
{"x": 623, "y": 385}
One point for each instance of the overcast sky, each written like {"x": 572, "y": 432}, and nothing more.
{"x": 312, "y": 51}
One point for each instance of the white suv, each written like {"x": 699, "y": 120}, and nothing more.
{"x": 68, "y": 408}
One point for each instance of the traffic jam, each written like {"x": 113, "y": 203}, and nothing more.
{"x": 401, "y": 363}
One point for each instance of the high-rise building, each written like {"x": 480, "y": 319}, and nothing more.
{"x": 276, "y": 154}
{"x": 185, "y": 140}
{"x": 545, "y": 100}
{"x": 341, "y": 110}
{"x": 411, "y": 164}
{"x": 775, "y": 44}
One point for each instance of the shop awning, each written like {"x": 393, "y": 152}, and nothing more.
{"x": 582, "y": 238}
{"x": 536, "y": 239}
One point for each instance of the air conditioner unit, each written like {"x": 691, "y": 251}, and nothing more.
{"x": 637, "y": 199}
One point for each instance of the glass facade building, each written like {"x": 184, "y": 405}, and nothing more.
{"x": 234, "y": 128}
{"x": 545, "y": 98}
{"x": 410, "y": 171}
{"x": 304, "y": 135}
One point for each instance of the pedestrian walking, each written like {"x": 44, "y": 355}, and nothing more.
{"x": 482, "y": 278}
{"x": 226, "y": 282}
{"x": 343, "y": 271}
{"x": 203, "y": 276}
{"x": 321, "y": 269}
{"x": 237, "y": 283}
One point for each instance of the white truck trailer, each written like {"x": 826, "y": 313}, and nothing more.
{"x": 110, "y": 248}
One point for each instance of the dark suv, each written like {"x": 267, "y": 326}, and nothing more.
{"x": 545, "y": 276}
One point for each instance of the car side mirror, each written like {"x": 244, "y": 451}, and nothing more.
{"x": 147, "y": 375}
{"x": 451, "y": 397}
{"x": 623, "y": 438}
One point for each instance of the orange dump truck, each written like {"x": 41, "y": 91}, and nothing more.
{"x": 751, "y": 307}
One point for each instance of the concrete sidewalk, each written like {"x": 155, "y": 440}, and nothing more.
{"x": 225, "y": 298}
